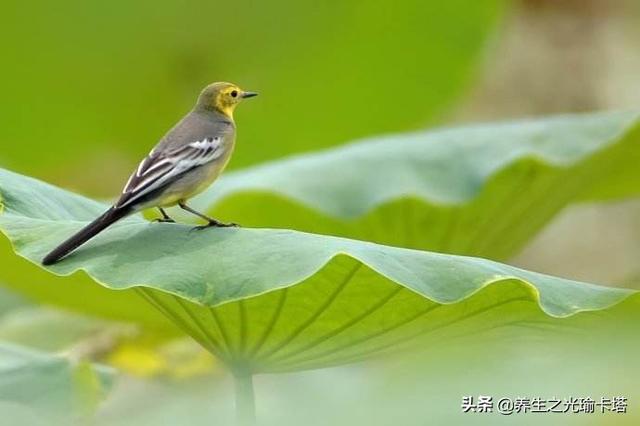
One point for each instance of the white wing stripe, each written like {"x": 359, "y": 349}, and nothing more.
{"x": 157, "y": 165}
{"x": 150, "y": 177}
{"x": 141, "y": 166}
{"x": 176, "y": 162}
{"x": 127, "y": 184}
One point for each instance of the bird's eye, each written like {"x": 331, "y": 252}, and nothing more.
{"x": 234, "y": 93}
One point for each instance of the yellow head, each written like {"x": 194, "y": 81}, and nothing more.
{"x": 222, "y": 97}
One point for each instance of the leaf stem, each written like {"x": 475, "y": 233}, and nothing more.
{"x": 245, "y": 397}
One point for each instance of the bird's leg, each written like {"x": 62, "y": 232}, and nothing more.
{"x": 212, "y": 222}
{"x": 165, "y": 217}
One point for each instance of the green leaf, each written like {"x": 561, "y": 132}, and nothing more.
{"x": 48, "y": 329}
{"x": 327, "y": 72}
{"x": 481, "y": 190}
{"x": 282, "y": 300}
{"x": 78, "y": 293}
{"x": 10, "y": 301}
{"x": 36, "y": 385}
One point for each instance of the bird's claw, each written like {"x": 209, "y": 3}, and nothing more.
{"x": 227, "y": 225}
{"x": 216, "y": 224}
{"x": 165, "y": 220}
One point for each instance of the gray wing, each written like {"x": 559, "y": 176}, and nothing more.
{"x": 160, "y": 168}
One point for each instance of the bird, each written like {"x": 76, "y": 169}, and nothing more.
{"x": 186, "y": 161}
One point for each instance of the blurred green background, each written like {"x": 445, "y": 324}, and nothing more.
{"x": 87, "y": 88}
{"x": 93, "y": 85}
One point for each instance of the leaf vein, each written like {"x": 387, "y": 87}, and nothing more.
{"x": 323, "y": 308}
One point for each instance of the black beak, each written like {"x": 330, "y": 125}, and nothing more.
{"x": 248, "y": 95}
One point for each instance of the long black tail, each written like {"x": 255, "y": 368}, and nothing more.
{"x": 85, "y": 234}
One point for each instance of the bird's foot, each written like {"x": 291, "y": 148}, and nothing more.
{"x": 164, "y": 220}
{"x": 225, "y": 225}
{"x": 216, "y": 224}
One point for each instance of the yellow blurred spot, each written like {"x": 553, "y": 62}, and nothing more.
{"x": 138, "y": 360}
{"x": 200, "y": 364}
{"x": 178, "y": 359}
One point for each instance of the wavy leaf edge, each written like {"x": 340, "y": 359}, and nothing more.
{"x": 231, "y": 185}
{"x": 622, "y": 293}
